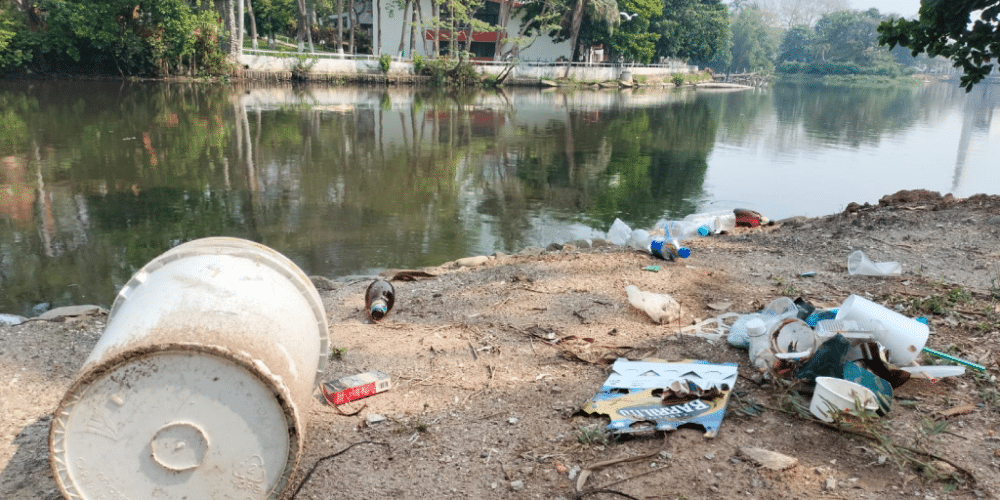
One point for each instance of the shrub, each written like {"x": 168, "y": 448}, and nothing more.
{"x": 383, "y": 62}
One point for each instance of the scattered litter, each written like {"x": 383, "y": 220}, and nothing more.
{"x": 12, "y": 319}
{"x": 711, "y": 329}
{"x": 374, "y": 419}
{"x": 660, "y": 307}
{"x": 347, "y": 389}
{"x": 641, "y": 396}
{"x": 654, "y": 269}
{"x": 858, "y": 263}
{"x": 808, "y": 274}
{"x": 935, "y": 372}
{"x": 834, "y": 394}
{"x": 954, "y": 359}
{"x": 720, "y": 306}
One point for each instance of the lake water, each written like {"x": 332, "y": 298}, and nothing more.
{"x": 96, "y": 179}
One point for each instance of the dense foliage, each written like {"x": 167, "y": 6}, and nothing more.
{"x": 965, "y": 31}
{"x": 145, "y": 37}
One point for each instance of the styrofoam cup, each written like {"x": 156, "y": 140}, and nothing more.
{"x": 834, "y": 394}
{"x": 901, "y": 336}
{"x": 859, "y": 263}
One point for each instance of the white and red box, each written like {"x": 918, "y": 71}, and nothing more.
{"x": 347, "y": 389}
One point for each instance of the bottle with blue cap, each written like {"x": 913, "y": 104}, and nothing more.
{"x": 666, "y": 247}
{"x": 379, "y": 298}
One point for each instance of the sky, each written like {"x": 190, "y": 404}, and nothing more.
{"x": 906, "y": 8}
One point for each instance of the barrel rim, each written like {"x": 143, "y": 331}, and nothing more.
{"x": 58, "y": 458}
{"x": 246, "y": 249}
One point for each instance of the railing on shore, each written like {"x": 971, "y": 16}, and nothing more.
{"x": 674, "y": 65}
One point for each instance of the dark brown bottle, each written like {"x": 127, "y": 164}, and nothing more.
{"x": 379, "y": 299}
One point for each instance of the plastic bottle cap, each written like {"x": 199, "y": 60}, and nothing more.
{"x": 704, "y": 230}
{"x": 683, "y": 252}
{"x": 755, "y": 327}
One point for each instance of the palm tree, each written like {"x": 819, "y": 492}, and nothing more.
{"x": 602, "y": 10}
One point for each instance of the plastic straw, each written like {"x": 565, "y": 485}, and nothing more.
{"x": 949, "y": 357}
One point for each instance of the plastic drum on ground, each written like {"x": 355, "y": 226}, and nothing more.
{"x": 200, "y": 383}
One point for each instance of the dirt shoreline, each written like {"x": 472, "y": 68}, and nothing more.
{"x": 483, "y": 406}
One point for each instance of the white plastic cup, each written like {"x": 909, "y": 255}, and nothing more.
{"x": 901, "y": 336}
{"x": 859, "y": 263}
{"x": 834, "y": 394}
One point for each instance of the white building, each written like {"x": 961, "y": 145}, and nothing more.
{"x": 396, "y": 25}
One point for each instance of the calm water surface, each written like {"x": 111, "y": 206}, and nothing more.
{"x": 96, "y": 179}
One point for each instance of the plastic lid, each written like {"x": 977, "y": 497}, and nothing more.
{"x": 704, "y": 230}
{"x": 756, "y": 327}
{"x": 683, "y": 252}
{"x": 174, "y": 424}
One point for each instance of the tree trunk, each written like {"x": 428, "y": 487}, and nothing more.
{"x": 413, "y": 28}
{"x": 340, "y": 26}
{"x": 234, "y": 37}
{"x": 436, "y": 16}
{"x": 253, "y": 25}
{"x": 300, "y": 33}
{"x": 377, "y": 17}
{"x": 354, "y": 22}
{"x": 402, "y": 35}
{"x": 574, "y": 29}
{"x": 310, "y": 21}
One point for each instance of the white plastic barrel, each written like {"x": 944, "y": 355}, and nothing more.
{"x": 200, "y": 384}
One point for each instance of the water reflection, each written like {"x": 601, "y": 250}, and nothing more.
{"x": 98, "y": 178}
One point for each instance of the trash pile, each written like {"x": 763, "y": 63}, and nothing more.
{"x": 853, "y": 356}
{"x": 664, "y": 239}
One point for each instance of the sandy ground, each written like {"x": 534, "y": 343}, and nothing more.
{"x": 485, "y": 404}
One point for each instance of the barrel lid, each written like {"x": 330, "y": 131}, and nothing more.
{"x": 174, "y": 424}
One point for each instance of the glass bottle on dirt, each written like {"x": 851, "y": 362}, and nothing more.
{"x": 379, "y": 299}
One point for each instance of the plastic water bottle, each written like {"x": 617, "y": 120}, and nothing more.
{"x": 668, "y": 249}
{"x": 723, "y": 220}
{"x": 683, "y": 229}
{"x": 379, "y": 298}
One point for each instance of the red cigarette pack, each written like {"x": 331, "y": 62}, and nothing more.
{"x": 353, "y": 387}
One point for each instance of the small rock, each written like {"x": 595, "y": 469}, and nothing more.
{"x": 472, "y": 261}
{"x": 666, "y": 455}
{"x": 512, "y": 420}
{"x": 573, "y": 471}
{"x": 517, "y": 485}
{"x": 943, "y": 467}
{"x": 554, "y": 247}
{"x": 531, "y": 252}
{"x": 831, "y": 483}
{"x": 322, "y": 283}
{"x": 710, "y": 456}
{"x": 769, "y": 459}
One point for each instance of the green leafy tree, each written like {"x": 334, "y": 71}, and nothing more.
{"x": 14, "y": 51}
{"x": 965, "y": 31}
{"x": 692, "y": 29}
{"x": 633, "y": 39}
{"x": 754, "y": 42}
{"x": 849, "y": 36}
{"x": 796, "y": 44}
